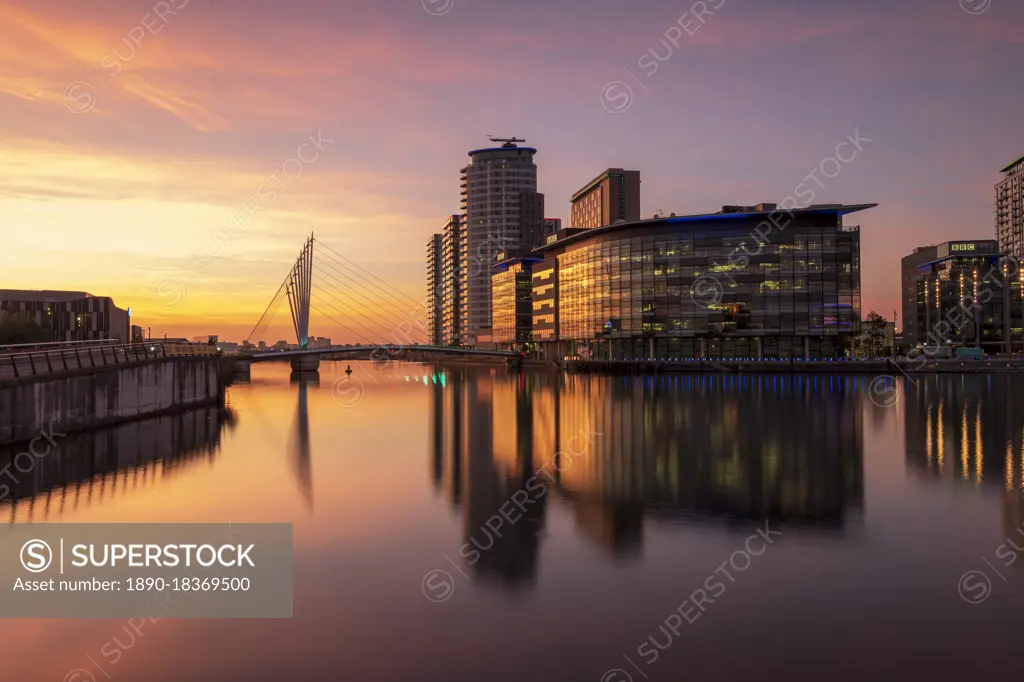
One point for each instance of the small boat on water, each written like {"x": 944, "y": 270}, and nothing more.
{"x": 348, "y": 370}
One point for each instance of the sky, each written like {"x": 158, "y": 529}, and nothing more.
{"x": 175, "y": 155}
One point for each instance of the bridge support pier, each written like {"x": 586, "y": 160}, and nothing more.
{"x": 305, "y": 363}
{"x": 235, "y": 368}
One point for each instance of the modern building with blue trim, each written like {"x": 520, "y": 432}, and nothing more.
{"x": 963, "y": 294}
{"x": 749, "y": 281}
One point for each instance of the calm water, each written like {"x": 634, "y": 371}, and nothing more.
{"x": 405, "y": 568}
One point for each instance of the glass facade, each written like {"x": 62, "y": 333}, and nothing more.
{"x": 721, "y": 286}
{"x": 544, "y": 300}
{"x": 511, "y": 313}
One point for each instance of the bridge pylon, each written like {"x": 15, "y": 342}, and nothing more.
{"x": 300, "y": 284}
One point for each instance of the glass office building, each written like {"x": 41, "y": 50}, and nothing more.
{"x": 747, "y": 282}
{"x": 511, "y": 313}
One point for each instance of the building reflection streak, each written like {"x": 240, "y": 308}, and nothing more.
{"x": 940, "y": 435}
{"x": 983, "y": 449}
{"x": 93, "y": 467}
{"x": 1009, "y": 467}
{"x": 978, "y": 457}
{"x": 965, "y": 445}
{"x": 624, "y": 449}
{"x": 929, "y": 450}
{"x": 437, "y": 433}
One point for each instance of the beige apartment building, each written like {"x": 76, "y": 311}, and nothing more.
{"x": 612, "y": 196}
{"x": 1010, "y": 209}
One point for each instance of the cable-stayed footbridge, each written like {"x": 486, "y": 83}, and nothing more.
{"x": 343, "y": 295}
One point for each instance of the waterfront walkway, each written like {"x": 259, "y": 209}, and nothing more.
{"x": 990, "y": 364}
{"x": 28, "y": 363}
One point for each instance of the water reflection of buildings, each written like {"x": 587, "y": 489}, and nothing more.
{"x": 673, "y": 448}
{"x": 481, "y": 426}
{"x": 965, "y": 429}
{"x": 83, "y": 468}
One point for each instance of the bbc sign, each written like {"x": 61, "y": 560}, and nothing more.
{"x": 975, "y": 248}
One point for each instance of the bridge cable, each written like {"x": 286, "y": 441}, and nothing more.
{"x": 336, "y": 309}
{"x": 366, "y": 285}
{"x": 326, "y": 264}
{"x": 381, "y": 328}
{"x": 268, "y": 314}
{"x": 390, "y": 318}
{"x": 264, "y": 323}
{"x": 358, "y": 267}
{"x": 363, "y": 328}
{"x": 264, "y": 319}
{"x": 394, "y": 318}
{"x": 340, "y": 324}
{"x": 277, "y": 306}
{"x": 375, "y": 303}
{"x": 362, "y": 269}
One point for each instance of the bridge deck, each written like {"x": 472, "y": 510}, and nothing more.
{"x": 381, "y": 352}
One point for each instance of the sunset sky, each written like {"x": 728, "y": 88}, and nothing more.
{"x": 132, "y": 131}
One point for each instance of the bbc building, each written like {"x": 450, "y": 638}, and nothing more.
{"x": 965, "y": 293}
{"x": 746, "y": 282}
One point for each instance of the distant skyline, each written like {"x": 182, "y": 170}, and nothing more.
{"x": 133, "y": 130}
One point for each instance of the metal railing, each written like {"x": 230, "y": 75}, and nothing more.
{"x": 39, "y": 362}
{"x": 53, "y": 345}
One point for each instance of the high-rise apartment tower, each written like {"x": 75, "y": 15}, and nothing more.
{"x": 500, "y": 209}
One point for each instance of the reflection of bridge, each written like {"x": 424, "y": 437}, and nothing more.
{"x": 345, "y": 284}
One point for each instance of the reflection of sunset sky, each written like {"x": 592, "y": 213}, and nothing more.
{"x": 200, "y": 114}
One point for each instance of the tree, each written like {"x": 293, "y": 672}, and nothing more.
{"x": 872, "y": 335}
{"x": 21, "y": 328}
